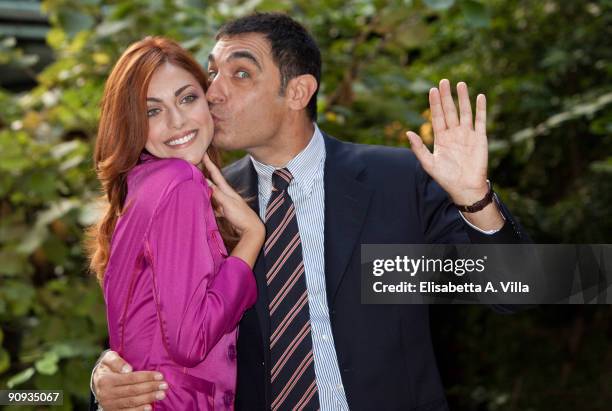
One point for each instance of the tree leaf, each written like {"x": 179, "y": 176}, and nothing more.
{"x": 439, "y": 5}
{"x": 475, "y": 13}
{"x": 5, "y": 359}
{"x": 14, "y": 264}
{"x": 20, "y": 378}
{"x": 110, "y": 28}
{"x": 48, "y": 364}
{"x": 74, "y": 21}
{"x": 17, "y": 296}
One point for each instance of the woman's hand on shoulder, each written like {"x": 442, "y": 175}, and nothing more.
{"x": 231, "y": 205}
{"x": 246, "y": 222}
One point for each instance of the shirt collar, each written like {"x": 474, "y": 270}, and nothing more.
{"x": 146, "y": 157}
{"x": 305, "y": 167}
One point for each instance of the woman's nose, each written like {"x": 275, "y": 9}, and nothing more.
{"x": 176, "y": 119}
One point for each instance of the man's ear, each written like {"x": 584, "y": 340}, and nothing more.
{"x": 299, "y": 91}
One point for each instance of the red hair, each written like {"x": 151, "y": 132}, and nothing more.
{"x": 123, "y": 131}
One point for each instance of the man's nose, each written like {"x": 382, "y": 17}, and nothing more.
{"x": 217, "y": 91}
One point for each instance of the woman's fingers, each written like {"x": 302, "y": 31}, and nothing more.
{"x": 217, "y": 177}
{"x": 222, "y": 192}
{"x": 219, "y": 195}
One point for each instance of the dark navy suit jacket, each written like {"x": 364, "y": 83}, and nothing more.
{"x": 373, "y": 195}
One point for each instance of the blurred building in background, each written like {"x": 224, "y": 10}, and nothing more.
{"x": 22, "y": 23}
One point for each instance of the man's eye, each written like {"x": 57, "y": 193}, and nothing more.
{"x": 189, "y": 98}
{"x": 153, "y": 112}
{"x": 242, "y": 74}
{"x": 211, "y": 75}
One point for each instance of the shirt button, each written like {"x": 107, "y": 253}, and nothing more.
{"x": 325, "y": 337}
{"x": 228, "y": 398}
{"x": 231, "y": 352}
{"x": 340, "y": 387}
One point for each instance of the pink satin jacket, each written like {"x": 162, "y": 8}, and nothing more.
{"x": 173, "y": 296}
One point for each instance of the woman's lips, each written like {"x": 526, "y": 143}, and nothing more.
{"x": 183, "y": 140}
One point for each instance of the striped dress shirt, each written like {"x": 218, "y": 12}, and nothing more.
{"x": 308, "y": 194}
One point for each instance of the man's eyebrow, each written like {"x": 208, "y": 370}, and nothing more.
{"x": 176, "y": 94}
{"x": 238, "y": 55}
{"x": 244, "y": 55}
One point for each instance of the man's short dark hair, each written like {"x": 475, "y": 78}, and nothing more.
{"x": 294, "y": 50}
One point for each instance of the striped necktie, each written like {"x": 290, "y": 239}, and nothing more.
{"x": 293, "y": 376}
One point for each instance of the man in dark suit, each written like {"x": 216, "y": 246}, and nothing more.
{"x": 264, "y": 76}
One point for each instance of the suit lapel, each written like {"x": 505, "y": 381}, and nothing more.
{"x": 346, "y": 204}
{"x": 242, "y": 176}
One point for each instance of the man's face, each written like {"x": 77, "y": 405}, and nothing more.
{"x": 243, "y": 93}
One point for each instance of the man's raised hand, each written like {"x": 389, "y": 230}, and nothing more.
{"x": 460, "y": 155}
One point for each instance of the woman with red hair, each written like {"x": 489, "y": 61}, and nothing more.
{"x": 174, "y": 296}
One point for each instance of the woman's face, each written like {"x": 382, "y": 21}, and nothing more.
{"x": 180, "y": 124}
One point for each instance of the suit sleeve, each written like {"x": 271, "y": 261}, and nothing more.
{"x": 442, "y": 222}
{"x": 440, "y": 219}
{"x": 510, "y": 233}
{"x": 196, "y": 306}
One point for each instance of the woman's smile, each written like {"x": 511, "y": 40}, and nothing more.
{"x": 182, "y": 140}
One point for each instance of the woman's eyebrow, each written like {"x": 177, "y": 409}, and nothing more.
{"x": 180, "y": 90}
{"x": 176, "y": 93}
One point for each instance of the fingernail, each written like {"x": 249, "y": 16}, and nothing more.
{"x": 126, "y": 368}
{"x": 158, "y": 376}
{"x": 148, "y": 408}
{"x": 163, "y": 386}
{"x": 160, "y": 395}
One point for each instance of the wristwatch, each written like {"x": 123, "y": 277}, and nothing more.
{"x": 480, "y": 204}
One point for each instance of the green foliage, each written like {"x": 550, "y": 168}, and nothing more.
{"x": 545, "y": 67}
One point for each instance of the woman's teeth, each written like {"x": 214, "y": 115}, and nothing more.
{"x": 182, "y": 140}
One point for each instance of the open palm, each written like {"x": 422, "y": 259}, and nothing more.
{"x": 460, "y": 155}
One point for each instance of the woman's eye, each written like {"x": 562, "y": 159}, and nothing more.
{"x": 189, "y": 98}
{"x": 211, "y": 75}
{"x": 242, "y": 74}
{"x": 152, "y": 112}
